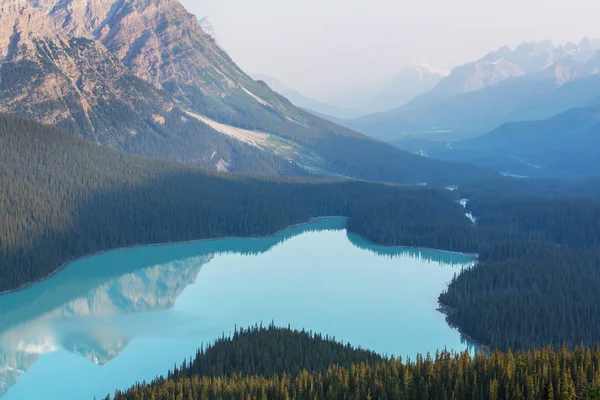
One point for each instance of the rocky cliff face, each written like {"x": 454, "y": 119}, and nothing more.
{"x": 120, "y": 73}
{"x": 142, "y": 76}
{"x": 159, "y": 42}
{"x": 64, "y": 80}
{"x": 157, "y": 39}
{"x": 130, "y": 73}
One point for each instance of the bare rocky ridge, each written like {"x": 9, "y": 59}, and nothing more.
{"x": 158, "y": 40}
{"x": 529, "y": 59}
{"x": 131, "y": 73}
{"x": 55, "y": 68}
{"x": 505, "y": 85}
{"x": 57, "y": 78}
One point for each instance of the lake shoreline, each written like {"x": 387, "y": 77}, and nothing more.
{"x": 387, "y": 246}
{"x": 156, "y": 305}
{"x": 310, "y": 221}
{"x": 446, "y": 311}
{"x": 66, "y": 263}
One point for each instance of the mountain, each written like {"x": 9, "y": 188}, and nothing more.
{"x": 207, "y": 27}
{"x": 311, "y": 105}
{"x": 78, "y": 84}
{"x": 564, "y": 146}
{"x": 503, "y": 86}
{"x": 505, "y": 63}
{"x": 142, "y": 76}
{"x": 412, "y": 80}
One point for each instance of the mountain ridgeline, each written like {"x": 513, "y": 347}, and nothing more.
{"x": 142, "y": 76}
{"x": 534, "y": 81}
{"x": 563, "y": 146}
{"x": 530, "y": 112}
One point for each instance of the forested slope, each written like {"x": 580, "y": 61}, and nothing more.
{"x": 537, "y": 281}
{"x": 563, "y": 146}
{"x": 298, "y": 365}
{"x": 63, "y": 198}
{"x": 538, "y": 278}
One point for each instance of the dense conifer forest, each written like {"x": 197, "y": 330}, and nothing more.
{"x": 538, "y": 278}
{"x": 536, "y": 282}
{"x": 278, "y": 363}
{"x": 63, "y": 198}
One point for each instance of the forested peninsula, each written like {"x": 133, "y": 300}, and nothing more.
{"x": 280, "y": 363}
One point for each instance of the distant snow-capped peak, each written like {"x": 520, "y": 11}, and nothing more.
{"x": 431, "y": 69}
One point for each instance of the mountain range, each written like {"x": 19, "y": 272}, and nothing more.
{"x": 411, "y": 81}
{"x": 143, "y": 77}
{"x": 533, "y": 81}
{"x": 563, "y": 146}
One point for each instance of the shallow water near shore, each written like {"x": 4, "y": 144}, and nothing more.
{"x": 107, "y": 321}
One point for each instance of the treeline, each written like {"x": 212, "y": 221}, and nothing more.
{"x": 523, "y": 296}
{"x": 63, "y": 198}
{"x": 262, "y": 350}
{"x": 277, "y": 363}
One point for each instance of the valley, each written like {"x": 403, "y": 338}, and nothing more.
{"x": 116, "y": 91}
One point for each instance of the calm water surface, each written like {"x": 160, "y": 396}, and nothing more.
{"x": 107, "y": 321}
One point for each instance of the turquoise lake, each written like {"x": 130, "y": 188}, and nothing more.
{"x": 107, "y": 321}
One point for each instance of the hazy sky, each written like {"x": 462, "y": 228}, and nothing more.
{"x": 324, "y": 46}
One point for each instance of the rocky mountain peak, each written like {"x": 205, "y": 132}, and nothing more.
{"x": 77, "y": 18}
{"x": 207, "y": 27}
{"x": 158, "y": 40}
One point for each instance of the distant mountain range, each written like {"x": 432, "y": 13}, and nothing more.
{"x": 144, "y": 77}
{"x": 563, "y": 146}
{"x": 305, "y": 102}
{"x": 529, "y": 82}
{"x": 412, "y": 80}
